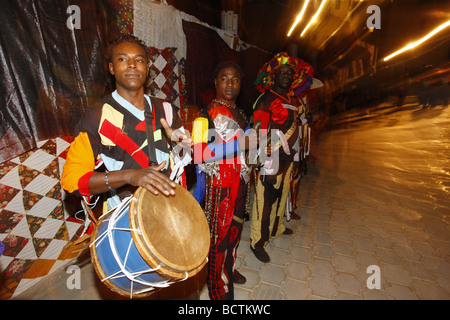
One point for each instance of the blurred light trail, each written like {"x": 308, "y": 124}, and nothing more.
{"x": 314, "y": 18}
{"x": 347, "y": 18}
{"x": 299, "y": 18}
{"x": 414, "y": 44}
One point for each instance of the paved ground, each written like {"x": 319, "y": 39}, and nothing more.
{"x": 375, "y": 212}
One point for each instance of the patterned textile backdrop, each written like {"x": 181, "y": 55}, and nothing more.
{"x": 124, "y": 15}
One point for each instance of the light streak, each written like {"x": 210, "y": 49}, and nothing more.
{"x": 314, "y": 18}
{"x": 347, "y": 18}
{"x": 418, "y": 42}
{"x": 299, "y": 18}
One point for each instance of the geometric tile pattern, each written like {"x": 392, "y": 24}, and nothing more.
{"x": 167, "y": 76}
{"x": 36, "y": 232}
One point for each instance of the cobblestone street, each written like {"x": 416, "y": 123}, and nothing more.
{"x": 377, "y": 194}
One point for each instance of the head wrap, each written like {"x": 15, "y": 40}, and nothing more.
{"x": 303, "y": 75}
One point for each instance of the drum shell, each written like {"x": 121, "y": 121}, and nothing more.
{"x": 106, "y": 264}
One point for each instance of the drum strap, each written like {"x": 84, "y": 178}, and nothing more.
{"x": 150, "y": 122}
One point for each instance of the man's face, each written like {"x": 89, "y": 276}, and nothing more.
{"x": 284, "y": 76}
{"x": 228, "y": 84}
{"x": 129, "y": 66}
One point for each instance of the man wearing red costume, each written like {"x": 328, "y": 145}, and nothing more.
{"x": 219, "y": 142}
{"x": 279, "y": 79}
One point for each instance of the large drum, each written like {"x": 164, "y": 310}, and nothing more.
{"x": 149, "y": 242}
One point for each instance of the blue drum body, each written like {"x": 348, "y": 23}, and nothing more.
{"x": 120, "y": 238}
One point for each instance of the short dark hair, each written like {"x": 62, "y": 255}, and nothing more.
{"x": 227, "y": 64}
{"x": 125, "y": 38}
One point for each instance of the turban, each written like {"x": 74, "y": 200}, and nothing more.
{"x": 303, "y": 73}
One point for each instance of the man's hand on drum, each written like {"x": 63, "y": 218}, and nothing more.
{"x": 152, "y": 179}
{"x": 149, "y": 178}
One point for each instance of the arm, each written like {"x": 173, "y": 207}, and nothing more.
{"x": 205, "y": 151}
{"x": 261, "y": 114}
{"x": 150, "y": 178}
{"x": 177, "y": 135}
{"x": 79, "y": 175}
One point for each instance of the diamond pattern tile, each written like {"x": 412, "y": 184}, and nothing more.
{"x": 35, "y": 229}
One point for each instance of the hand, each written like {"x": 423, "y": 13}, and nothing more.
{"x": 267, "y": 144}
{"x": 177, "y": 135}
{"x": 295, "y": 170}
{"x": 152, "y": 179}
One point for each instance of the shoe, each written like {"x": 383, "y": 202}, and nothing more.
{"x": 294, "y": 216}
{"x": 238, "y": 278}
{"x": 261, "y": 254}
{"x": 227, "y": 296}
{"x": 288, "y": 231}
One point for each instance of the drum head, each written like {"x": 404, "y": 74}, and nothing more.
{"x": 173, "y": 231}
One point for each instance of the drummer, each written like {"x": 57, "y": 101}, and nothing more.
{"x": 110, "y": 150}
